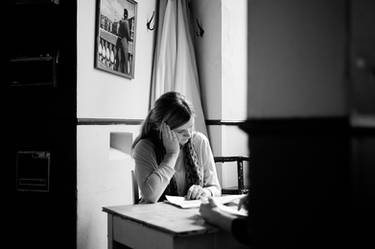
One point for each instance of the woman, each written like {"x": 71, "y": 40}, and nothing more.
{"x": 170, "y": 157}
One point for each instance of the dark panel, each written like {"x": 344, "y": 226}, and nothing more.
{"x": 362, "y": 57}
{"x": 363, "y": 181}
{"x": 40, "y": 47}
{"x": 41, "y": 217}
{"x": 300, "y": 182}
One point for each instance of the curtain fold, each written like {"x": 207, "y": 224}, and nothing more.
{"x": 174, "y": 65}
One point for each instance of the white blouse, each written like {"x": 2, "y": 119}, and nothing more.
{"x": 153, "y": 178}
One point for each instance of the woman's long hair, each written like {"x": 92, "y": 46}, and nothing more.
{"x": 173, "y": 109}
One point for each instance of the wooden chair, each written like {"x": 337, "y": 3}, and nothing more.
{"x": 240, "y": 188}
{"x": 135, "y": 188}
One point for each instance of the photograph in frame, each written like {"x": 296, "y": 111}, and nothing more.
{"x": 116, "y": 22}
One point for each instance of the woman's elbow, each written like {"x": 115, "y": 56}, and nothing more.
{"x": 149, "y": 196}
{"x": 147, "y": 199}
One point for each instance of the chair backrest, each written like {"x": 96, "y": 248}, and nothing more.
{"x": 135, "y": 188}
{"x": 241, "y": 189}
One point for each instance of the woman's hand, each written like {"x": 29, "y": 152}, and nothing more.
{"x": 196, "y": 192}
{"x": 170, "y": 140}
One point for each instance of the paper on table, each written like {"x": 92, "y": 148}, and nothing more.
{"x": 233, "y": 210}
{"x": 183, "y": 203}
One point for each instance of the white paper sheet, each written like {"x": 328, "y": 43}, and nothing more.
{"x": 233, "y": 210}
{"x": 183, "y": 203}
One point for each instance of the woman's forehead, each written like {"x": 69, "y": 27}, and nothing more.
{"x": 189, "y": 124}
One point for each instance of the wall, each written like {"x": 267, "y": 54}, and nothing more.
{"x": 297, "y": 54}
{"x": 234, "y": 83}
{"x": 103, "y": 173}
{"x": 103, "y": 179}
{"x": 222, "y": 59}
{"x": 208, "y": 55}
{"x": 234, "y": 59}
{"x": 296, "y": 63}
{"x": 104, "y": 95}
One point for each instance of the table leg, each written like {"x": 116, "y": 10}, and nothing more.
{"x": 110, "y": 231}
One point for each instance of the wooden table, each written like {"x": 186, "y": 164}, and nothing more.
{"x": 162, "y": 225}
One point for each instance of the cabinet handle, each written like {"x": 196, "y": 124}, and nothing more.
{"x": 362, "y": 64}
{"x": 57, "y": 57}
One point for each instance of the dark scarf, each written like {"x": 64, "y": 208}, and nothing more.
{"x": 192, "y": 176}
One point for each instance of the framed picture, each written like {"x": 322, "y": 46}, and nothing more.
{"x": 116, "y": 22}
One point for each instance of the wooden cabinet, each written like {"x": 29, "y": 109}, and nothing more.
{"x": 362, "y": 117}
{"x": 362, "y": 62}
{"x": 40, "y": 115}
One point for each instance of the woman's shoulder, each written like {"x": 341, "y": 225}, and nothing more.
{"x": 199, "y": 138}
{"x": 143, "y": 146}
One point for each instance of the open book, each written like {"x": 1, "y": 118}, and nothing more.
{"x": 220, "y": 200}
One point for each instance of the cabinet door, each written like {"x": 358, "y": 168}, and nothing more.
{"x": 362, "y": 40}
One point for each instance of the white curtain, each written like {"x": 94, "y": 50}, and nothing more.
{"x": 174, "y": 65}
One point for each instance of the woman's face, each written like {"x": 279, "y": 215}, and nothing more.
{"x": 184, "y": 132}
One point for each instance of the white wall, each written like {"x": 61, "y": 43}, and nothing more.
{"x": 234, "y": 84}
{"x": 208, "y": 55}
{"x": 222, "y": 62}
{"x": 105, "y": 95}
{"x": 103, "y": 174}
{"x": 222, "y": 58}
{"x": 294, "y": 53}
{"x": 234, "y": 59}
{"x": 297, "y": 55}
{"x": 103, "y": 179}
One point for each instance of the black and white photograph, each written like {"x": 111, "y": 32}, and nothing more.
{"x": 188, "y": 124}
{"x": 115, "y": 36}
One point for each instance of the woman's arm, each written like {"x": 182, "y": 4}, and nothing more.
{"x": 152, "y": 178}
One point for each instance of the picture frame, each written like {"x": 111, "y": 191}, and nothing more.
{"x": 115, "y": 36}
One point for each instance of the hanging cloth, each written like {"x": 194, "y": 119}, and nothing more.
{"x": 174, "y": 65}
